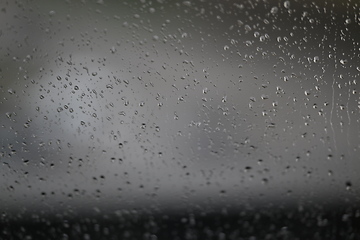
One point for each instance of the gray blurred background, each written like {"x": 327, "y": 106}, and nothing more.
{"x": 110, "y": 105}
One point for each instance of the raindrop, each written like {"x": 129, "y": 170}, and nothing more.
{"x": 247, "y": 28}
{"x": 264, "y": 97}
{"x": 343, "y": 61}
{"x": 248, "y": 43}
{"x": 248, "y": 168}
{"x": 287, "y": 4}
{"x": 187, "y": 3}
{"x": 274, "y": 10}
{"x": 8, "y": 114}
{"x": 348, "y": 185}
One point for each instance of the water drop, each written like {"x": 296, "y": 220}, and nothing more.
{"x": 343, "y": 61}
{"x": 187, "y": 3}
{"x": 248, "y": 43}
{"x": 264, "y": 97}
{"x": 274, "y": 10}
{"x": 247, "y": 28}
{"x": 348, "y": 185}
{"x": 287, "y": 4}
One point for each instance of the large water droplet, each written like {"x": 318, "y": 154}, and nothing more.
{"x": 274, "y": 10}
{"x": 287, "y": 4}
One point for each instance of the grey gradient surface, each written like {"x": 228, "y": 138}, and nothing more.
{"x": 115, "y": 105}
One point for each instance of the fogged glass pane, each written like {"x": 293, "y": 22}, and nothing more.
{"x": 179, "y": 119}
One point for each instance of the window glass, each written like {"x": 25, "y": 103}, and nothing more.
{"x": 159, "y": 119}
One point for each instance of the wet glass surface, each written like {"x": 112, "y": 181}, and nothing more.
{"x": 184, "y": 120}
